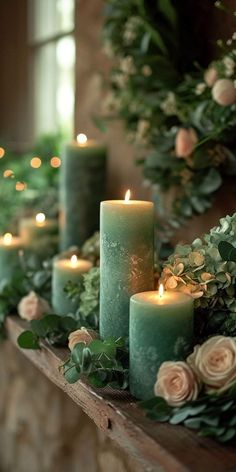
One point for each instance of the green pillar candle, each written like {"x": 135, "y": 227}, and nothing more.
{"x": 9, "y": 256}
{"x": 39, "y": 233}
{"x": 82, "y": 187}
{"x": 64, "y": 271}
{"x": 127, "y": 255}
{"x": 161, "y": 329}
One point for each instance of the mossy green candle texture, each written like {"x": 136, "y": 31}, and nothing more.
{"x": 82, "y": 187}
{"x": 9, "y": 256}
{"x": 161, "y": 329}
{"x": 64, "y": 271}
{"x": 127, "y": 260}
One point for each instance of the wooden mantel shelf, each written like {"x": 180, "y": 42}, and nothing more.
{"x": 159, "y": 447}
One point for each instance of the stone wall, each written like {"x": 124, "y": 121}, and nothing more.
{"x": 43, "y": 430}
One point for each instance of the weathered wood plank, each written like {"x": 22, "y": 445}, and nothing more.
{"x": 159, "y": 447}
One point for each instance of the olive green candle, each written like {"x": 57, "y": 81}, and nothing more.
{"x": 161, "y": 329}
{"x": 82, "y": 187}
{"x": 9, "y": 256}
{"x": 64, "y": 271}
{"x": 126, "y": 265}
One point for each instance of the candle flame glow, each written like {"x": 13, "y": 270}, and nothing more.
{"x": 127, "y": 196}
{"x": 7, "y": 239}
{"x": 40, "y": 218}
{"x": 161, "y": 290}
{"x": 74, "y": 260}
{"x": 82, "y": 138}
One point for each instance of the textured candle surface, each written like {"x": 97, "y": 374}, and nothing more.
{"x": 161, "y": 329}
{"x": 63, "y": 272}
{"x": 9, "y": 258}
{"x": 127, "y": 260}
{"x": 82, "y": 187}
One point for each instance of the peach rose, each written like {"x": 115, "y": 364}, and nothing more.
{"x": 176, "y": 383}
{"x": 33, "y": 307}
{"x": 224, "y": 92}
{"x": 82, "y": 335}
{"x": 185, "y": 141}
{"x": 214, "y": 362}
{"x": 210, "y": 76}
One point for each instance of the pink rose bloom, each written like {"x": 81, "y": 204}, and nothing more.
{"x": 224, "y": 92}
{"x": 210, "y": 76}
{"x": 214, "y": 362}
{"x": 33, "y": 307}
{"x": 82, "y": 335}
{"x": 176, "y": 383}
{"x": 185, "y": 141}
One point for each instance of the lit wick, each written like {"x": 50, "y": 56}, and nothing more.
{"x": 74, "y": 260}
{"x": 127, "y": 196}
{"x": 40, "y": 218}
{"x": 82, "y": 139}
{"x": 161, "y": 290}
{"x": 7, "y": 239}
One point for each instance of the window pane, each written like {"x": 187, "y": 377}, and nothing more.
{"x": 54, "y": 87}
{"x": 50, "y": 17}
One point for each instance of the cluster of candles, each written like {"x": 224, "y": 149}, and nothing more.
{"x": 157, "y": 323}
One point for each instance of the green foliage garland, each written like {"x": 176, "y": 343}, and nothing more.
{"x": 211, "y": 415}
{"x": 159, "y": 92}
{"x": 208, "y": 274}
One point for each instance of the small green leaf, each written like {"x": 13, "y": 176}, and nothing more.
{"x": 28, "y": 340}
{"x": 71, "y": 374}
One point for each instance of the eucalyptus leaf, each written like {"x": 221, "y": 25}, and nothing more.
{"x": 28, "y": 340}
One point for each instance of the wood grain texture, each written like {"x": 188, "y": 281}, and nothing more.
{"x": 158, "y": 447}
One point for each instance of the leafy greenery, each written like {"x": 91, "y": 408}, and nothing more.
{"x": 35, "y": 276}
{"x": 199, "y": 270}
{"x": 40, "y": 193}
{"x": 86, "y": 295}
{"x": 158, "y": 87}
{"x": 54, "y": 329}
{"x": 227, "y": 251}
{"x": 211, "y": 415}
{"x": 101, "y": 362}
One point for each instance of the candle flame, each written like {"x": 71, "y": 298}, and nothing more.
{"x": 40, "y": 218}
{"x": 74, "y": 260}
{"x": 7, "y": 239}
{"x": 127, "y": 196}
{"x": 82, "y": 138}
{"x": 161, "y": 290}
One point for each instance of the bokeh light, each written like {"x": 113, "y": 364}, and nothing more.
{"x": 8, "y": 173}
{"x": 55, "y": 162}
{"x": 20, "y": 186}
{"x": 35, "y": 162}
{"x": 2, "y": 152}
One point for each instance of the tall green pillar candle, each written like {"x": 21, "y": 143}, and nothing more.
{"x": 39, "y": 233}
{"x": 161, "y": 329}
{"x": 82, "y": 187}
{"x": 126, "y": 265}
{"x": 9, "y": 256}
{"x": 64, "y": 271}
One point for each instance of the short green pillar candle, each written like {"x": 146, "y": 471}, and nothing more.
{"x": 39, "y": 233}
{"x": 82, "y": 187}
{"x": 161, "y": 329}
{"x": 9, "y": 256}
{"x": 64, "y": 271}
{"x": 127, "y": 260}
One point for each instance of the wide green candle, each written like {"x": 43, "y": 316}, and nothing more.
{"x": 161, "y": 329}
{"x": 127, "y": 260}
{"x": 9, "y": 256}
{"x": 39, "y": 233}
{"x": 82, "y": 187}
{"x": 64, "y": 271}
